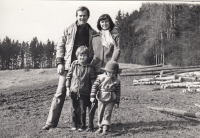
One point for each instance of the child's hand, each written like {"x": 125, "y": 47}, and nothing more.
{"x": 68, "y": 92}
{"x": 92, "y": 100}
{"x": 116, "y": 106}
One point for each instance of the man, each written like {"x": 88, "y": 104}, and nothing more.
{"x": 78, "y": 34}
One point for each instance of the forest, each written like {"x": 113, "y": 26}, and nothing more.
{"x": 167, "y": 34}
{"x": 160, "y": 34}
{"x": 15, "y": 55}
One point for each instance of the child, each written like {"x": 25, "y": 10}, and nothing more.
{"x": 79, "y": 80}
{"x": 106, "y": 89}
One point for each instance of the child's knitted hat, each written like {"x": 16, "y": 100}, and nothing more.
{"x": 111, "y": 66}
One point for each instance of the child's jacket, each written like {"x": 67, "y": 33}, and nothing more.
{"x": 80, "y": 78}
{"x": 106, "y": 89}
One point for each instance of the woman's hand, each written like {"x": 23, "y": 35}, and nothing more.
{"x": 68, "y": 92}
{"x": 60, "y": 69}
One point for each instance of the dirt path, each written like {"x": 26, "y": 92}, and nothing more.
{"x": 22, "y": 114}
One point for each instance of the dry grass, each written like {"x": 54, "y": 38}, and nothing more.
{"x": 20, "y": 80}
{"x": 23, "y": 113}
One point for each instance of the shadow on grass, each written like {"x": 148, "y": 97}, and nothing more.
{"x": 141, "y": 127}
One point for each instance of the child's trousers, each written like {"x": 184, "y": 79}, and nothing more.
{"x": 78, "y": 110}
{"x": 104, "y": 113}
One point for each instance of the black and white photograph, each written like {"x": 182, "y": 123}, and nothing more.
{"x": 99, "y": 69}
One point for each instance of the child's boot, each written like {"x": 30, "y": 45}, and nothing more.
{"x": 99, "y": 130}
{"x": 105, "y": 129}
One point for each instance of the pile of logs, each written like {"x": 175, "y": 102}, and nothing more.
{"x": 176, "y": 77}
{"x": 177, "y": 112}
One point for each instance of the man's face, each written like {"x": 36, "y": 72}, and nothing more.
{"x": 82, "y": 17}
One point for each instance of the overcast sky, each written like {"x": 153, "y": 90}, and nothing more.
{"x": 24, "y": 19}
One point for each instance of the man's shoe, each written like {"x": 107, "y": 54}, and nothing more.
{"x": 47, "y": 127}
{"x": 73, "y": 129}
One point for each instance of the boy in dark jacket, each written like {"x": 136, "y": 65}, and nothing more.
{"x": 79, "y": 80}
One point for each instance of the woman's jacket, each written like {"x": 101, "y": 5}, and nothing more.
{"x": 103, "y": 54}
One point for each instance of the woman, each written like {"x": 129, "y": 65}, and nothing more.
{"x": 105, "y": 45}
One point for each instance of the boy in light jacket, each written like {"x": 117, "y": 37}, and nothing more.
{"x": 106, "y": 89}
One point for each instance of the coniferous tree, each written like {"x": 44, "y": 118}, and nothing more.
{"x": 33, "y": 52}
{"x": 118, "y": 19}
{"x": 49, "y": 53}
{"x": 27, "y": 57}
{"x": 40, "y": 54}
{"x": 14, "y": 52}
{"x": 1, "y": 52}
{"x": 5, "y": 56}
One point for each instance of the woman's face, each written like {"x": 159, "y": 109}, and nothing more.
{"x": 105, "y": 24}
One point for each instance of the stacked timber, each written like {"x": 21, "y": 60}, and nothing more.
{"x": 176, "y": 112}
{"x": 158, "y": 70}
{"x": 176, "y": 77}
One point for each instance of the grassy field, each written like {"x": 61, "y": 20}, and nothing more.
{"x": 25, "y": 99}
{"x": 21, "y": 80}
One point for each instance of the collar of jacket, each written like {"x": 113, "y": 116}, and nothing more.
{"x": 78, "y": 63}
{"x": 114, "y": 34}
{"x": 86, "y": 23}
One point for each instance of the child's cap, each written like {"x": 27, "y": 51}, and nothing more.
{"x": 111, "y": 66}
{"x": 82, "y": 50}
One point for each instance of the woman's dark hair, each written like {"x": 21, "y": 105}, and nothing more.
{"x": 83, "y": 8}
{"x": 104, "y": 17}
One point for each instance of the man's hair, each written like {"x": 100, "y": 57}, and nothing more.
{"x": 83, "y": 8}
{"x": 104, "y": 17}
{"x": 82, "y": 50}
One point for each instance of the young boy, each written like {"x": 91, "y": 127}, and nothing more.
{"x": 106, "y": 89}
{"x": 79, "y": 80}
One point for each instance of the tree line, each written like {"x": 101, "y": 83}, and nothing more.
{"x": 160, "y": 34}
{"x": 15, "y": 55}
{"x": 156, "y": 34}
